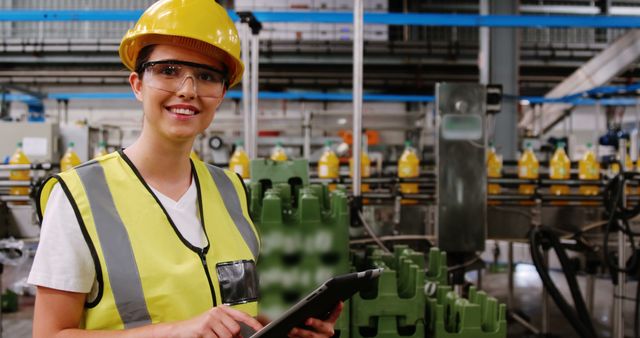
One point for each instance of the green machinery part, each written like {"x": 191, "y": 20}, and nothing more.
{"x": 304, "y": 234}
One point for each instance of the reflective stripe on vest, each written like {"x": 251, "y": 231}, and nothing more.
{"x": 116, "y": 248}
{"x": 232, "y": 203}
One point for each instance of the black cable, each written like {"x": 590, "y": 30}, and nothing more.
{"x": 636, "y": 323}
{"x": 578, "y": 317}
{"x": 619, "y": 217}
{"x": 618, "y": 221}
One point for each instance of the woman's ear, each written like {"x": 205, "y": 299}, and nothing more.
{"x": 136, "y": 85}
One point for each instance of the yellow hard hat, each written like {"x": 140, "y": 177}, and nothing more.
{"x": 200, "y": 25}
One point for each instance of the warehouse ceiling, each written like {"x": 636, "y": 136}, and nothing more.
{"x": 410, "y": 62}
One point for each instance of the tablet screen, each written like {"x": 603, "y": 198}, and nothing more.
{"x": 320, "y": 302}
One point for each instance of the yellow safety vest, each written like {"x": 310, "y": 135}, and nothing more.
{"x": 146, "y": 271}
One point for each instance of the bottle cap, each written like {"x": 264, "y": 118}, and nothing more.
{"x": 71, "y": 144}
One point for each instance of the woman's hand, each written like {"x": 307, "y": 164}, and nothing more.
{"x": 219, "y": 322}
{"x": 321, "y": 328}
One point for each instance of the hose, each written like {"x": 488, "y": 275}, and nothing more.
{"x": 372, "y": 233}
{"x": 578, "y": 317}
{"x": 619, "y": 217}
{"x": 636, "y": 323}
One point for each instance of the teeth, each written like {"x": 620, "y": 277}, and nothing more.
{"x": 182, "y": 111}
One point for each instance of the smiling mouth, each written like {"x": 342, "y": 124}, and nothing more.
{"x": 183, "y": 111}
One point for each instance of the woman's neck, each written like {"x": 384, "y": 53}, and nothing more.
{"x": 163, "y": 165}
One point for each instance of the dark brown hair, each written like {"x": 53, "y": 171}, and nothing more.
{"x": 143, "y": 57}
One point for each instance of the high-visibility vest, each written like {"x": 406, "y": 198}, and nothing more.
{"x": 146, "y": 271}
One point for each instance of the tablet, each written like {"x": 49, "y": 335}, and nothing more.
{"x": 319, "y": 303}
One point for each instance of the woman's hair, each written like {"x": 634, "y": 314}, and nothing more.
{"x": 143, "y": 57}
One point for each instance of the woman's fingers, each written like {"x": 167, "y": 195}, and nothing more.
{"x": 335, "y": 314}
{"x": 240, "y": 316}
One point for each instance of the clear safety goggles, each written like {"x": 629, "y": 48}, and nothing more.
{"x": 171, "y": 75}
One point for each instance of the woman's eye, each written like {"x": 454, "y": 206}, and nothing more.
{"x": 208, "y": 77}
{"x": 169, "y": 70}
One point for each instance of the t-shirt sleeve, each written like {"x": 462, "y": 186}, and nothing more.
{"x": 63, "y": 260}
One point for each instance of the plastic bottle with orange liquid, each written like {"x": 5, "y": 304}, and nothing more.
{"x": 70, "y": 158}
{"x": 278, "y": 153}
{"x": 528, "y": 168}
{"x": 589, "y": 169}
{"x": 409, "y": 167}
{"x": 19, "y": 157}
{"x": 560, "y": 169}
{"x": 239, "y": 161}
{"x": 329, "y": 165}
{"x": 494, "y": 169}
{"x": 102, "y": 149}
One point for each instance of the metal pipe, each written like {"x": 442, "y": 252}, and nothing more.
{"x": 397, "y": 212}
{"x": 633, "y": 150}
{"x": 14, "y": 198}
{"x": 33, "y": 166}
{"x": 306, "y": 149}
{"x": 24, "y": 183}
{"x": 484, "y": 45}
{"x": 246, "y": 89}
{"x": 545, "y": 299}
{"x": 590, "y": 292}
{"x": 525, "y": 323}
{"x": 597, "y": 129}
{"x": 538, "y": 110}
{"x": 511, "y": 273}
{"x": 358, "y": 23}
{"x": 618, "y": 292}
{"x": 394, "y": 238}
{"x": 255, "y": 53}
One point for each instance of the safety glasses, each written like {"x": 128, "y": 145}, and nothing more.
{"x": 171, "y": 75}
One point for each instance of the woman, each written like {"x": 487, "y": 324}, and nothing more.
{"x": 145, "y": 242}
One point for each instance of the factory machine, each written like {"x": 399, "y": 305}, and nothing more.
{"x": 427, "y": 227}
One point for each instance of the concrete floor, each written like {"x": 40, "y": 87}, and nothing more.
{"x": 527, "y": 300}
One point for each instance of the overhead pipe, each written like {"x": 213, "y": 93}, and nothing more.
{"x": 358, "y": 23}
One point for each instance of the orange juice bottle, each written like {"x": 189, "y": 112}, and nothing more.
{"x": 560, "y": 169}
{"x": 329, "y": 164}
{"x": 19, "y": 157}
{"x": 278, "y": 153}
{"x": 409, "y": 167}
{"x": 70, "y": 158}
{"x": 614, "y": 169}
{"x": 102, "y": 149}
{"x": 494, "y": 169}
{"x": 528, "y": 167}
{"x": 239, "y": 161}
{"x": 589, "y": 169}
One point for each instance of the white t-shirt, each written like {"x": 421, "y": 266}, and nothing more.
{"x": 63, "y": 260}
